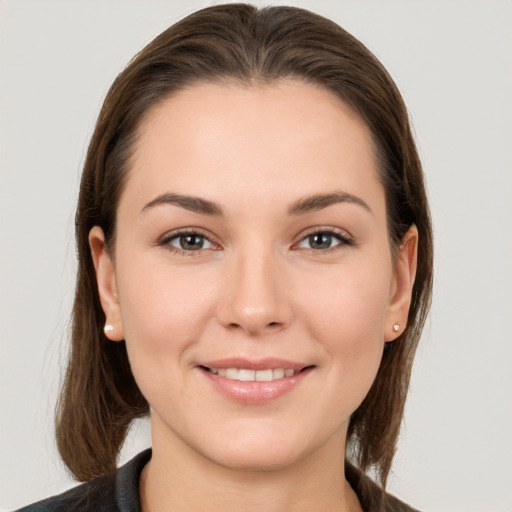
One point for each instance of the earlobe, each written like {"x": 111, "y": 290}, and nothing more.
{"x": 106, "y": 281}
{"x": 403, "y": 282}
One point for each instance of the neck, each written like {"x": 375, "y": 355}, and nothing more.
{"x": 180, "y": 479}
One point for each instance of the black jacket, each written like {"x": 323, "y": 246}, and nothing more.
{"x": 119, "y": 492}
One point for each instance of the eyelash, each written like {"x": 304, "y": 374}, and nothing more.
{"x": 341, "y": 236}
{"x": 166, "y": 242}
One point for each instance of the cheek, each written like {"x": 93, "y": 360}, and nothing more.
{"x": 163, "y": 316}
{"x": 346, "y": 316}
{"x": 163, "y": 309}
{"x": 350, "y": 305}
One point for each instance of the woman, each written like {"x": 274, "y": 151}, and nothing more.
{"x": 255, "y": 268}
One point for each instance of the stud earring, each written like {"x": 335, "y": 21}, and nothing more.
{"x": 396, "y": 327}
{"x": 108, "y": 328}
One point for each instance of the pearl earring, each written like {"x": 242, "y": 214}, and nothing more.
{"x": 396, "y": 327}
{"x": 108, "y": 328}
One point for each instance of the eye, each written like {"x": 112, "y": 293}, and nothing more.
{"x": 187, "y": 242}
{"x": 323, "y": 240}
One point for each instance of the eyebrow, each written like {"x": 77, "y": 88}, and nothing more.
{"x": 301, "y": 206}
{"x": 321, "y": 201}
{"x": 194, "y": 204}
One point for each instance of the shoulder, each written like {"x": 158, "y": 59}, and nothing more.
{"x": 371, "y": 496}
{"x": 116, "y": 492}
{"x": 97, "y": 494}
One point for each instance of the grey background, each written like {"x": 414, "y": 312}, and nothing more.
{"x": 452, "y": 61}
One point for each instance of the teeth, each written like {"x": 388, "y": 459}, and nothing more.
{"x": 246, "y": 375}
{"x": 264, "y": 375}
{"x": 278, "y": 373}
{"x": 232, "y": 373}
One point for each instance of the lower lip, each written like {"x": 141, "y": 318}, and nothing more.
{"x": 255, "y": 392}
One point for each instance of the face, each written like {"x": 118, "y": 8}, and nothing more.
{"x": 252, "y": 276}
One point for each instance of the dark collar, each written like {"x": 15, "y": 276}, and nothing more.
{"x": 371, "y": 496}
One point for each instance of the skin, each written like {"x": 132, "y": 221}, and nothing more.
{"x": 259, "y": 287}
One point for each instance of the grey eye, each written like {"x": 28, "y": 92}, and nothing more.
{"x": 190, "y": 242}
{"x": 320, "y": 241}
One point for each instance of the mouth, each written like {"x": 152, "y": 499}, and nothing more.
{"x": 255, "y": 382}
{"x": 249, "y": 375}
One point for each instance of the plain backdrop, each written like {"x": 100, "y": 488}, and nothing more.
{"x": 452, "y": 61}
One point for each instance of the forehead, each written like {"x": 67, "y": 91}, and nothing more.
{"x": 291, "y": 137}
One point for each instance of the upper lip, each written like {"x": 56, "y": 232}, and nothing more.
{"x": 255, "y": 364}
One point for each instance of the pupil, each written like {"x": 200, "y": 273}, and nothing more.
{"x": 191, "y": 242}
{"x": 320, "y": 241}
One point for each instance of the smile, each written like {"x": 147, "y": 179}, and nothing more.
{"x": 247, "y": 375}
{"x": 255, "y": 382}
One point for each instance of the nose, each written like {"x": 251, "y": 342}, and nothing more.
{"x": 255, "y": 296}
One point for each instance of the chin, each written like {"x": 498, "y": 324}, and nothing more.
{"x": 257, "y": 459}
{"x": 263, "y": 450}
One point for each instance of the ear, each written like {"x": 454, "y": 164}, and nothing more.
{"x": 402, "y": 284}
{"x": 106, "y": 280}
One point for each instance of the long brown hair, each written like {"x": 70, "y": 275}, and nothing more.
{"x": 100, "y": 397}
